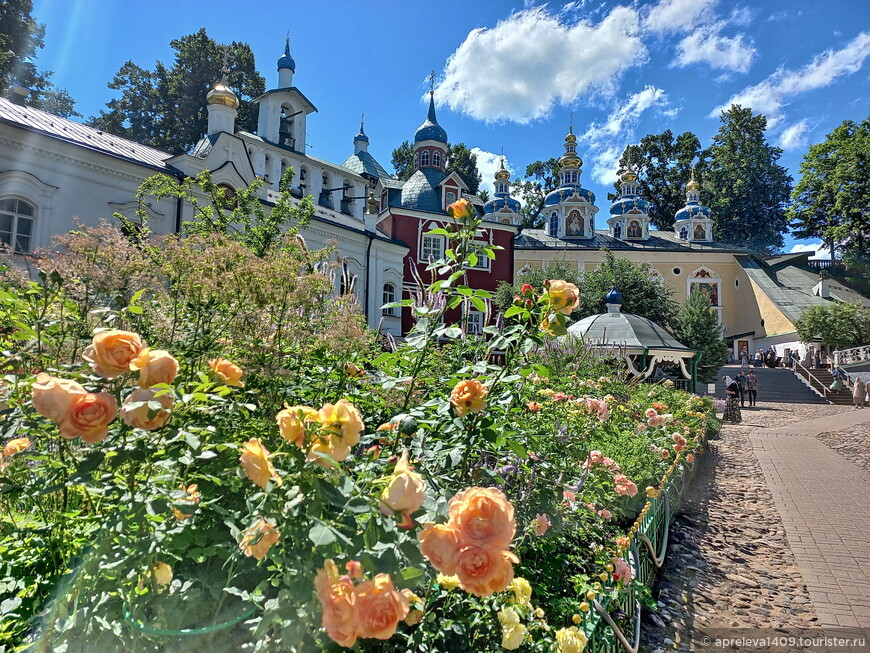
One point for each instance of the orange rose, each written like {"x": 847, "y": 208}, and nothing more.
{"x": 228, "y": 371}
{"x": 112, "y": 351}
{"x": 191, "y": 495}
{"x": 379, "y": 608}
{"x": 564, "y": 297}
{"x": 291, "y": 423}
{"x": 440, "y": 544}
{"x": 483, "y": 571}
{"x": 16, "y": 446}
{"x": 338, "y": 597}
{"x": 52, "y": 397}
{"x": 138, "y": 412}
{"x": 483, "y": 516}
{"x": 256, "y": 463}
{"x": 406, "y": 491}
{"x": 353, "y": 371}
{"x": 344, "y": 419}
{"x": 89, "y": 416}
{"x": 155, "y": 366}
{"x": 461, "y": 208}
{"x": 469, "y": 395}
{"x": 258, "y": 539}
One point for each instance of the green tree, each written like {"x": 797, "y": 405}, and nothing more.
{"x": 165, "y": 107}
{"x": 838, "y": 324}
{"x": 744, "y": 185}
{"x": 459, "y": 159}
{"x": 642, "y": 293}
{"x": 541, "y": 177}
{"x": 831, "y": 199}
{"x": 664, "y": 165}
{"x": 21, "y": 37}
{"x": 697, "y": 326}
{"x": 535, "y": 277}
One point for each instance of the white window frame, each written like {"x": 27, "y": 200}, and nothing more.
{"x": 448, "y": 201}
{"x": 424, "y": 158}
{"x": 14, "y": 226}
{"x": 474, "y": 325}
{"x": 389, "y": 296}
{"x": 430, "y": 245}
{"x": 436, "y": 159}
{"x": 617, "y": 230}
{"x": 553, "y": 221}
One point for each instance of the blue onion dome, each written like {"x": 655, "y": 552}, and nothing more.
{"x": 629, "y": 202}
{"x": 499, "y": 202}
{"x": 693, "y": 207}
{"x": 613, "y": 297}
{"x": 361, "y": 136}
{"x": 564, "y": 192}
{"x": 286, "y": 61}
{"x": 431, "y": 130}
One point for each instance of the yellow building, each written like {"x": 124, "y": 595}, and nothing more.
{"x": 757, "y": 298}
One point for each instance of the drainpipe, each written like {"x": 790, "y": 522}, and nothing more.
{"x": 643, "y": 359}
{"x": 178, "y": 207}
{"x": 370, "y": 226}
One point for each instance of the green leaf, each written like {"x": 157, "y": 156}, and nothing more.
{"x": 321, "y": 535}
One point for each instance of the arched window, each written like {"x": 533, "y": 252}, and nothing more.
{"x": 634, "y": 230}
{"x": 303, "y": 175}
{"x": 325, "y": 196}
{"x": 16, "y": 224}
{"x": 684, "y": 233}
{"x": 389, "y": 298}
{"x": 553, "y": 226}
{"x": 700, "y": 233}
{"x": 424, "y": 158}
{"x": 229, "y": 195}
{"x": 436, "y": 159}
{"x": 416, "y": 159}
{"x": 451, "y": 197}
{"x": 617, "y": 230}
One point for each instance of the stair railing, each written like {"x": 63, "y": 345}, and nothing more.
{"x": 853, "y": 355}
{"x": 812, "y": 377}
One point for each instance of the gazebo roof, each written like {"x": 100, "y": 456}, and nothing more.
{"x": 635, "y": 333}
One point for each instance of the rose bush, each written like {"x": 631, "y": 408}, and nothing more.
{"x": 470, "y": 503}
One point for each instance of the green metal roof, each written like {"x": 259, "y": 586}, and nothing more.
{"x": 365, "y": 163}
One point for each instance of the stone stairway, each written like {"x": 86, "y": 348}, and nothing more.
{"x": 824, "y": 378}
{"x": 779, "y": 385}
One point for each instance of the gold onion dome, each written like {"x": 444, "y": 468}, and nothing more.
{"x": 629, "y": 176}
{"x": 223, "y": 94}
{"x": 693, "y": 185}
{"x": 570, "y": 158}
{"x": 501, "y": 174}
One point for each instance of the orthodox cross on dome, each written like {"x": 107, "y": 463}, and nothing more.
{"x": 431, "y": 78}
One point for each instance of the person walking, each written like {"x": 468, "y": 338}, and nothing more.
{"x": 741, "y": 387}
{"x": 732, "y": 408}
{"x": 752, "y": 388}
{"x": 859, "y": 392}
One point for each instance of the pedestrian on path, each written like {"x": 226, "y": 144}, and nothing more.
{"x": 752, "y": 387}
{"x": 741, "y": 387}
{"x": 859, "y": 392}
{"x": 839, "y": 379}
{"x": 732, "y": 408}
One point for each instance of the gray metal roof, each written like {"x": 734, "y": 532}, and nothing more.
{"x": 625, "y": 330}
{"x": 791, "y": 287}
{"x": 658, "y": 241}
{"x": 420, "y": 193}
{"x": 77, "y": 134}
{"x": 365, "y": 163}
{"x": 391, "y": 182}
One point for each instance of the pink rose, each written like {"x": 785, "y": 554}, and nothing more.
{"x": 622, "y": 572}
{"x": 605, "y": 514}
{"x": 541, "y": 524}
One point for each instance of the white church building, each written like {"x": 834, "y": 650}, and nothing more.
{"x": 54, "y": 171}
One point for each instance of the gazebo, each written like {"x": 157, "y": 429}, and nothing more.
{"x": 650, "y": 351}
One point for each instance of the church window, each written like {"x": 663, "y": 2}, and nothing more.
{"x": 432, "y": 247}
{"x": 416, "y": 159}
{"x": 16, "y": 224}
{"x": 436, "y": 159}
{"x": 700, "y": 233}
{"x": 553, "y": 226}
{"x": 475, "y": 322}
{"x": 229, "y": 195}
{"x": 684, "y": 233}
{"x": 451, "y": 197}
{"x": 634, "y": 230}
{"x": 617, "y": 230}
{"x": 424, "y": 158}
{"x": 389, "y": 298}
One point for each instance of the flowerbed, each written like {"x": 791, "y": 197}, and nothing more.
{"x": 242, "y": 485}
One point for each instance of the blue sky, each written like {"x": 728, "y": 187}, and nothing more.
{"x": 507, "y": 74}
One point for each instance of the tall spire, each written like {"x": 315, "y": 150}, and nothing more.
{"x": 431, "y": 130}
{"x": 570, "y": 160}
{"x": 361, "y": 141}
{"x": 286, "y": 67}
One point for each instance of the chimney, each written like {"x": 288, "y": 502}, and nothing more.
{"x": 18, "y": 94}
{"x": 823, "y": 288}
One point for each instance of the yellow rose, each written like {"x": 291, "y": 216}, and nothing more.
{"x": 112, "y": 351}
{"x": 228, "y": 371}
{"x": 258, "y": 539}
{"x": 449, "y": 583}
{"x": 162, "y": 573}
{"x": 469, "y": 395}
{"x": 256, "y": 463}
{"x": 507, "y": 616}
{"x": 564, "y": 297}
{"x": 571, "y": 640}
{"x": 142, "y": 416}
{"x": 406, "y": 490}
{"x": 52, "y": 397}
{"x": 512, "y": 637}
{"x": 522, "y": 591}
{"x": 353, "y": 371}
{"x": 154, "y": 366}
{"x": 379, "y": 608}
{"x": 344, "y": 419}
{"x": 291, "y": 423}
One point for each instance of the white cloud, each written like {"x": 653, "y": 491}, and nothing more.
{"x": 707, "y": 45}
{"x": 678, "y": 15}
{"x": 820, "y": 251}
{"x": 607, "y": 141}
{"x": 521, "y": 68}
{"x": 487, "y": 164}
{"x": 794, "y": 136}
{"x": 771, "y": 95}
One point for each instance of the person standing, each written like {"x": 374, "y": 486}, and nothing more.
{"x": 759, "y": 358}
{"x": 741, "y": 387}
{"x": 732, "y": 408}
{"x": 752, "y": 388}
{"x": 859, "y": 392}
{"x": 817, "y": 360}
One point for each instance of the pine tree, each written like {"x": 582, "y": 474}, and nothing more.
{"x": 697, "y": 326}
